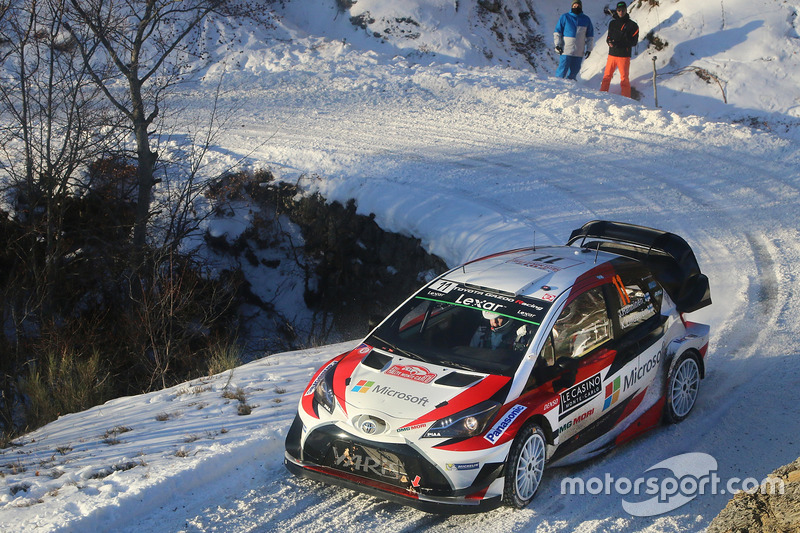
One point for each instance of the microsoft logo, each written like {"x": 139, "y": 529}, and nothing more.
{"x": 364, "y": 386}
{"x": 612, "y": 394}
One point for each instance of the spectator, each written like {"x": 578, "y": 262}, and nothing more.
{"x": 573, "y": 38}
{"x": 623, "y": 34}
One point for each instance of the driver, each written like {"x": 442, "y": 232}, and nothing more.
{"x": 498, "y": 333}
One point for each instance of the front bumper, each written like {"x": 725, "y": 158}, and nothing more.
{"x": 394, "y": 472}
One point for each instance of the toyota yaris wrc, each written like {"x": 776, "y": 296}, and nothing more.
{"x": 531, "y": 357}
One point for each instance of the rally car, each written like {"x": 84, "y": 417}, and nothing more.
{"x": 537, "y": 356}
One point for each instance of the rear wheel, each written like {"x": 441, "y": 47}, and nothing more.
{"x": 525, "y": 466}
{"x": 682, "y": 387}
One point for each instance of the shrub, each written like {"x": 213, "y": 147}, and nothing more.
{"x": 62, "y": 383}
{"x": 655, "y": 41}
{"x": 223, "y": 357}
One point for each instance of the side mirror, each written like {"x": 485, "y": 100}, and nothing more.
{"x": 569, "y": 369}
{"x": 567, "y": 363}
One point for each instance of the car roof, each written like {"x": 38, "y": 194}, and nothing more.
{"x": 534, "y": 272}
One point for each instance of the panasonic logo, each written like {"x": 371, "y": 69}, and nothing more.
{"x": 498, "y": 429}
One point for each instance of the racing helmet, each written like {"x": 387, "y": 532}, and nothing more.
{"x": 502, "y": 328}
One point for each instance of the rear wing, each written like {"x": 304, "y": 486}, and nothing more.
{"x": 667, "y": 255}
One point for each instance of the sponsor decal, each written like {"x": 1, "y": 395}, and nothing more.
{"x": 641, "y": 371}
{"x": 581, "y": 393}
{"x": 443, "y": 286}
{"x": 552, "y": 403}
{"x": 364, "y": 349}
{"x": 636, "y": 311}
{"x": 310, "y": 389}
{"x": 486, "y": 305}
{"x": 529, "y": 305}
{"x": 523, "y": 309}
{"x": 545, "y": 262}
{"x": 635, "y": 305}
{"x": 501, "y": 426}
{"x": 352, "y": 461}
{"x": 462, "y": 466}
{"x": 612, "y": 393}
{"x": 549, "y": 297}
{"x": 575, "y": 421}
{"x": 363, "y": 386}
{"x": 412, "y": 372}
{"x": 410, "y": 428}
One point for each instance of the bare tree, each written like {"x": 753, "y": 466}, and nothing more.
{"x": 144, "y": 43}
{"x": 53, "y": 122}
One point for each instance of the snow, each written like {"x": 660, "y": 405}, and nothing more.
{"x": 472, "y": 156}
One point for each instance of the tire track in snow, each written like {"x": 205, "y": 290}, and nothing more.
{"x": 639, "y": 171}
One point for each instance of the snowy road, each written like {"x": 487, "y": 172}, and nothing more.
{"x": 474, "y": 162}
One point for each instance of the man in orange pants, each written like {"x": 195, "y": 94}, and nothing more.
{"x": 623, "y": 34}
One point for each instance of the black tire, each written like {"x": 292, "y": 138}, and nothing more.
{"x": 683, "y": 385}
{"x": 524, "y": 466}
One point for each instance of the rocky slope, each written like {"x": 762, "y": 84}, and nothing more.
{"x": 768, "y": 513}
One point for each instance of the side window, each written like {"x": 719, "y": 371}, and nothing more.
{"x": 548, "y": 353}
{"x": 639, "y": 299}
{"x": 582, "y": 326}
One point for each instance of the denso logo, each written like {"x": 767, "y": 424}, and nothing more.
{"x": 552, "y": 403}
{"x": 412, "y": 372}
{"x": 498, "y": 429}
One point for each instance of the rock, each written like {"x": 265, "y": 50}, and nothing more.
{"x": 770, "y": 512}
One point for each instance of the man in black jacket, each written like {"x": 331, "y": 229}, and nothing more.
{"x": 623, "y": 34}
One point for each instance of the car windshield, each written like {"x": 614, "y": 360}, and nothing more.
{"x": 462, "y": 327}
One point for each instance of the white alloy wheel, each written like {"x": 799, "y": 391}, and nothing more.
{"x": 683, "y": 385}
{"x": 525, "y": 466}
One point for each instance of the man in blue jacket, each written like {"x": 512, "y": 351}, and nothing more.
{"x": 573, "y": 38}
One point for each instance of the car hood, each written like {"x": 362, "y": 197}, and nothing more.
{"x": 405, "y": 390}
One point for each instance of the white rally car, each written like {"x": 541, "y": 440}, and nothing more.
{"x": 531, "y": 357}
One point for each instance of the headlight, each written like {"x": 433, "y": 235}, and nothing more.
{"x": 467, "y": 423}
{"x": 323, "y": 392}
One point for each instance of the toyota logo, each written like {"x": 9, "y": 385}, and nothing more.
{"x": 368, "y": 427}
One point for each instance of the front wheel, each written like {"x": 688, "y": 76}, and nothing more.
{"x": 682, "y": 387}
{"x": 524, "y": 466}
